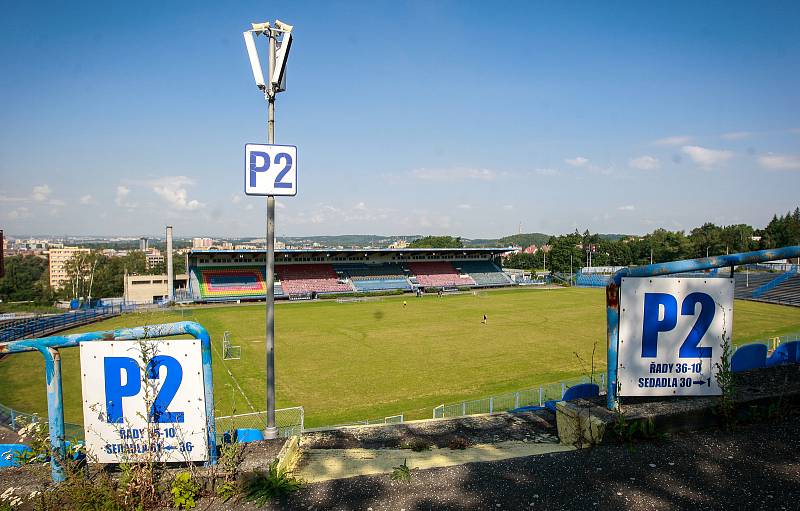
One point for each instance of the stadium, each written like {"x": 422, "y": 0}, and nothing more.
{"x": 220, "y": 275}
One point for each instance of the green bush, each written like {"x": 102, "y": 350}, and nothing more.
{"x": 261, "y": 487}
{"x": 184, "y": 491}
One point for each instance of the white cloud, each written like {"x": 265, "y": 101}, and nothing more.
{"x": 41, "y": 193}
{"x": 464, "y": 206}
{"x": 173, "y": 190}
{"x": 122, "y": 197}
{"x": 627, "y": 208}
{"x": 736, "y": 135}
{"x": 454, "y": 174}
{"x": 773, "y": 161}
{"x": 236, "y": 198}
{"x": 360, "y": 207}
{"x": 676, "y": 140}
{"x": 508, "y": 207}
{"x": 279, "y": 205}
{"x": 86, "y": 199}
{"x": 578, "y": 161}
{"x": 644, "y": 163}
{"x": 547, "y": 172}
{"x": 21, "y": 212}
{"x": 705, "y": 157}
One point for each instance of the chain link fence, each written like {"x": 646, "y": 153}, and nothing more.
{"x": 508, "y": 401}
{"x": 288, "y": 420}
{"x": 15, "y": 420}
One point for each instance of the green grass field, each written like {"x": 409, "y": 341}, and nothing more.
{"x": 365, "y": 360}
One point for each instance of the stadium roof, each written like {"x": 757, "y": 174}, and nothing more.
{"x": 483, "y": 250}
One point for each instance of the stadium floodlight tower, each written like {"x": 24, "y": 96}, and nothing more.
{"x": 279, "y": 37}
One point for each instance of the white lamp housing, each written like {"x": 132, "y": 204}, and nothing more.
{"x": 255, "y": 64}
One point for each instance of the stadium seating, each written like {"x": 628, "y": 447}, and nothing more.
{"x": 591, "y": 279}
{"x": 440, "y": 274}
{"x": 303, "y": 279}
{"x": 786, "y": 292}
{"x": 746, "y": 283}
{"x": 580, "y": 391}
{"x": 749, "y": 356}
{"x": 375, "y": 277}
{"x": 484, "y": 273}
{"x": 786, "y": 353}
{"x": 10, "y": 452}
{"x": 230, "y": 283}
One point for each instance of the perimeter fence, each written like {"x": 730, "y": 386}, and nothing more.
{"x": 502, "y": 402}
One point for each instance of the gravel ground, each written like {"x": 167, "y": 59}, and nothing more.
{"x": 752, "y": 467}
{"x": 537, "y": 426}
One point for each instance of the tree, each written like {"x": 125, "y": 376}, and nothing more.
{"x": 26, "y": 279}
{"x": 437, "y": 242}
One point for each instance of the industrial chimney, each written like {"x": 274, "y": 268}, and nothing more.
{"x": 170, "y": 275}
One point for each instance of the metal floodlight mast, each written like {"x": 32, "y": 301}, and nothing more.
{"x": 276, "y": 71}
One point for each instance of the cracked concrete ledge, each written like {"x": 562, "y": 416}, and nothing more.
{"x": 325, "y": 464}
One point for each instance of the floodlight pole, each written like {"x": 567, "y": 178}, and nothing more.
{"x": 271, "y": 430}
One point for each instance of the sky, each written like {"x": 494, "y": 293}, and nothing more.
{"x": 430, "y": 117}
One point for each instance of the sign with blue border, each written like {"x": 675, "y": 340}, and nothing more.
{"x": 671, "y": 335}
{"x": 270, "y": 169}
{"x": 144, "y": 400}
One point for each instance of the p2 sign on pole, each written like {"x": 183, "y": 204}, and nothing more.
{"x": 671, "y": 335}
{"x": 144, "y": 400}
{"x": 270, "y": 169}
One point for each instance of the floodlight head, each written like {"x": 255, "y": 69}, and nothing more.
{"x": 255, "y": 63}
{"x": 283, "y": 26}
{"x": 278, "y": 78}
{"x": 260, "y": 27}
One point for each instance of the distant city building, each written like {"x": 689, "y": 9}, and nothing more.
{"x": 151, "y": 288}
{"x": 153, "y": 257}
{"x": 142, "y": 244}
{"x": 58, "y": 258}
{"x": 202, "y": 242}
{"x": 399, "y": 244}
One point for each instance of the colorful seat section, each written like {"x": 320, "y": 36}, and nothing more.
{"x": 375, "y": 277}
{"x": 303, "y": 279}
{"x": 484, "y": 273}
{"x": 439, "y": 274}
{"x": 230, "y": 282}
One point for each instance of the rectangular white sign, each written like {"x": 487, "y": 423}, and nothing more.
{"x": 671, "y": 332}
{"x": 270, "y": 169}
{"x": 144, "y": 400}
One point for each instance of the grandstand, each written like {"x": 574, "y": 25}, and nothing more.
{"x": 786, "y": 292}
{"x": 230, "y": 275}
{"x": 484, "y": 273}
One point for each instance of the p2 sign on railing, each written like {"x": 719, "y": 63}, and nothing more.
{"x": 270, "y": 169}
{"x": 144, "y": 400}
{"x": 671, "y": 335}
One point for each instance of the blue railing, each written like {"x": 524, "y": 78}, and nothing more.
{"x": 772, "y": 284}
{"x": 43, "y": 325}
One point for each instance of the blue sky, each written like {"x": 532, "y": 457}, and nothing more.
{"x": 410, "y": 117}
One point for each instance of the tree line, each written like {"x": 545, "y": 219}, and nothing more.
{"x": 568, "y": 252}
{"x": 89, "y": 275}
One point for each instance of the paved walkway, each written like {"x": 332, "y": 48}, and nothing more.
{"x": 325, "y": 464}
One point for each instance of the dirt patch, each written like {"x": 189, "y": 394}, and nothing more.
{"x": 538, "y": 426}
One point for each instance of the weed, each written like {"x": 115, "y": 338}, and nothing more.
{"x": 416, "y": 445}
{"x": 260, "y": 487}
{"x": 727, "y": 384}
{"x": 230, "y": 456}
{"x": 401, "y": 473}
{"x": 458, "y": 443}
{"x": 628, "y": 432}
{"x": 184, "y": 491}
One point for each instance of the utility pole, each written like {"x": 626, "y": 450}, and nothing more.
{"x": 272, "y": 430}
{"x": 270, "y": 87}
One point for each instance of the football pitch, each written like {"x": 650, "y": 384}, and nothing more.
{"x": 365, "y": 360}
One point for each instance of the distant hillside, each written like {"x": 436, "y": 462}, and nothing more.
{"x": 346, "y": 240}
{"x": 523, "y": 240}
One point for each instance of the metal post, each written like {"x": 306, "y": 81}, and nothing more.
{"x": 271, "y": 430}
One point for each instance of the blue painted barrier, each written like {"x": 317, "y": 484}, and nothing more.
{"x": 49, "y": 346}
{"x": 652, "y": 270}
